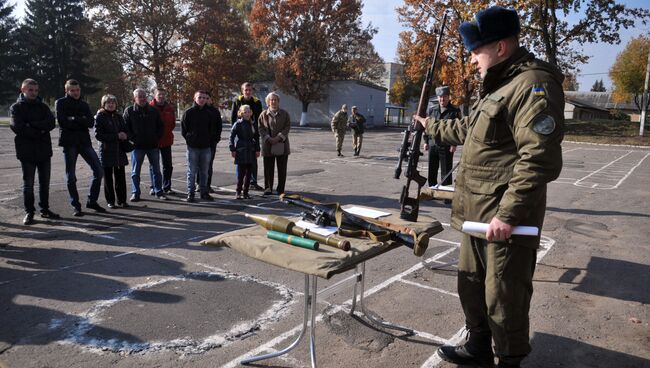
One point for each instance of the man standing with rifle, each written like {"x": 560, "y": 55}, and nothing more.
{"x": 511, "y": 151}
{"x": 441, "y": 155}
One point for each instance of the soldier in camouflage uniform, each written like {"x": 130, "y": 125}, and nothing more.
{"x": 339, "y": 123}
{"x": 511, "y": 151}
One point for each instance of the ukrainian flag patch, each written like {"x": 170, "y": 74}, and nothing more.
{"x": 539, "y": 91}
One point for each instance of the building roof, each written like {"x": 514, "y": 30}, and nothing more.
{"x": 583, "y": 104}
{"x": 602, "y": 100}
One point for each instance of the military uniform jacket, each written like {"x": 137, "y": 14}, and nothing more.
{"x": 451, "y": 112}
{"x": 511, "y": 145}
{"x": 339, "y": 121}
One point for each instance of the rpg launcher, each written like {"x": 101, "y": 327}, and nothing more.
{"x": 327, "y": 216}
{"x": 410, "y": 149}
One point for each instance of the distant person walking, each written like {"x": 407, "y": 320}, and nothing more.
{"x": 32, "y": 121}
{"x": 339, "y": 124}
{"x": 75, "y": 119}
{"x": 358, "y": 125}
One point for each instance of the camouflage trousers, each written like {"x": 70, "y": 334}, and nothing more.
{"x": 495, "y": 285}
{"x": 339, "y": 134}
{"x": 357, "y": 139}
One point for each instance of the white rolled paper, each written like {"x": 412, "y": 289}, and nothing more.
{"x": 481, "y": 227}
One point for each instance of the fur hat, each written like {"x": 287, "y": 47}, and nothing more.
{"x": 492, "y": 24}
{"x": 442, "y": 91}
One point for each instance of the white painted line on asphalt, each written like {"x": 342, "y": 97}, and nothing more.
{"x": 631, "y": 170}
{"x": 578, "y": 182}
{"x": 409, "y": 282}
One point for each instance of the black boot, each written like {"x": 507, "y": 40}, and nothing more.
{"x": 477, "y": 351}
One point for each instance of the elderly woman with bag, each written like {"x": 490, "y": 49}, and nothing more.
{"x": 274, "y": 125}
{"x": 110, "y": 131}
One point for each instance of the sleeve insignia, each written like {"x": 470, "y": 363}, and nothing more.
{"x": 539, "y": 91}
{"x": 544, "y": 124}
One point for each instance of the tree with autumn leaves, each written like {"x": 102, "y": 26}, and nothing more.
{"x": 628, "y": 72}
{"x": 314, "y": 42}
{"x": 546, "y": 30}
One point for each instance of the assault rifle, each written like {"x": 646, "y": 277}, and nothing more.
{"x": 326, "y": 216}
{"x": 410, "y": 206}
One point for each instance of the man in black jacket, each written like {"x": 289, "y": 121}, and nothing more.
{"x": 197, "y": 127}
{"x": 144, "y": 128}
{"x": 32, "y": 121}
{"x": 247, "y": 98}
{"x": 440, "y": 154}
{"x": 75, "y": 119}
{"x": 217, "y": 127}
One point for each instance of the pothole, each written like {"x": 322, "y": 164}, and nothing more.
{"x": 189, "y": 313}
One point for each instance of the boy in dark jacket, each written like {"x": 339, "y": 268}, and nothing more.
{"x": 145, "y": 129}
{"x": 32, "y": 121}
{"x": 197, "y": 129}
{"x": 75, "y": 119}
{"x": 244, "y": 148}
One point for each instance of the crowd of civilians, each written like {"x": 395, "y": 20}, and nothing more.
{"x": 145, "y": 128}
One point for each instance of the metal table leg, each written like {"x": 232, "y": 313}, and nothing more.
{"x": 361, "y": 281}
{"x": 310, "y": 301}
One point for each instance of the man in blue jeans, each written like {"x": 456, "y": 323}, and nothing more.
{"x": 144, "y": 128}
{"x": 75, "y": 118}
{"x": 32, "y": 121}
{"x": 197, "y": 127}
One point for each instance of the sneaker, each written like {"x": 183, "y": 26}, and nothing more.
{"x": 49, "y": 214}
{"x": 95, "y": 206}
{"x": 268, "y": 191}
{"x": 77, "y": 212}
{"x": 190, "y": 198}
{"x": 162, "y": 196}
{"x": 207, "y": 197}
{"x": 152, "y": 192}
{"x": 255, "y": 186}
{"x": 110, "y": 205}
{"x": 238, "y": 196}
{"x": 460, "y": 355}
{"x": 29, "y": 218}
{"x": 169, "y": 191}
{"x": 135, "y": 198}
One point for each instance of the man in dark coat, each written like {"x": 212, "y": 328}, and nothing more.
{"x": 75, "y": 119}
{"x": 197, "y": 129}
{"x": 32, "y": 121}
{"x": 145, "y": 129}
{"x": 168, "y": 117}
{"x": 217, "y": 127}
{"x": 247, "y": 98}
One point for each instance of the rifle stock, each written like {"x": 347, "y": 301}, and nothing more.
{"x": 410, "y": 206}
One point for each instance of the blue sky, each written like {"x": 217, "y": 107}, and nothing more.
{"x": 381, "y": 13}
{"x": 383, "y": 16}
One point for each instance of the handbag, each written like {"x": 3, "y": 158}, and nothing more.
{"x": 126, "y": 146}
{"x": 277, "y": 149}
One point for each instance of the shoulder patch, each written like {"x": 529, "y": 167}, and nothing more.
{"x": 544, "y": 124}
{"x": 539, "y": 90}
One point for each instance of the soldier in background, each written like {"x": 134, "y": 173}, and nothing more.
{"x": 358, "y": 125}
{"x": 339, "y": 124}
{"x": 512, "y": 149}
{"x": 441, "y": 153}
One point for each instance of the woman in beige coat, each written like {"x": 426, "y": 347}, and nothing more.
{"x": 274, "y": 126}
